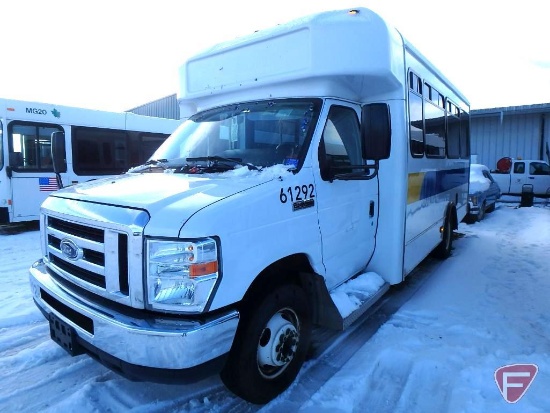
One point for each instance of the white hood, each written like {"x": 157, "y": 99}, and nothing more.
{"x": 168, "y": 195}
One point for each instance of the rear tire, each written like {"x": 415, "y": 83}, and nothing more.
{"x": 270, "y": 346}
{"x": 443, "y": 250}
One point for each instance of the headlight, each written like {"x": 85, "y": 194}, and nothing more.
{"x": 473, "y": 199}
{"x": 181, "y": 274}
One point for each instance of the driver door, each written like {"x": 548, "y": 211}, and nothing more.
{"x": 347, "y": 208}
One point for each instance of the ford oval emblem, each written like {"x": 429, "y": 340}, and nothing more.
{"x": 70, "y": 250}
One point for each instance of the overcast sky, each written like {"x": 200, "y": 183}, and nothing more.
{"x": 118, "y": 54}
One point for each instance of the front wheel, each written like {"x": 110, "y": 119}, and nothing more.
{"x": 481, "y": 214}
{"x": 270, "y": 346}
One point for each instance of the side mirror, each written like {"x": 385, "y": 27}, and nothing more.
{"x": 58, "y": 152}
{"x": 324, "y": 163}
{"x": 376, "y": 131}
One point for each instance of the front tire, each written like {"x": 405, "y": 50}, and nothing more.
{"x": 270, "y": 346}
{"x": 481, "y": 214}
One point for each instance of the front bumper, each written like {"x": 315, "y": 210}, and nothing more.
{"x": 473, "y": 209}
{"x": 157, "y": 342}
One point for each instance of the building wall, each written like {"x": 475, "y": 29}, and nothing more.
{"x": 166, "y": 107}
{"x": 517, "y": 135}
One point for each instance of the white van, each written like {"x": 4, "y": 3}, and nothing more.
{"x": 321, "y": 162}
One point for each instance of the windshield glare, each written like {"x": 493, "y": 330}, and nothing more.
{"x": 261, "y": 133}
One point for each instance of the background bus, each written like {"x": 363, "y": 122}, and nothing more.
{"x": 97, "y": 143}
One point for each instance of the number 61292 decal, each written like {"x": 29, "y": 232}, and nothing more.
{"x": 301, "y": 196}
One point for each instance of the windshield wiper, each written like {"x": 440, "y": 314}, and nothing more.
{"x": 217, "y": 159}
{"x": 157, "y": 162}
{"x": 150, "y": 164}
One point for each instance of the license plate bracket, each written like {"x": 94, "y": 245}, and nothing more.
{"x": 64, "y": 335}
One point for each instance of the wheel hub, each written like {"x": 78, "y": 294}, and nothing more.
{"x": 278, "y": 342}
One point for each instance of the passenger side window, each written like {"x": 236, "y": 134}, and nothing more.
{"x": 519, "y": 168}
{"x": 539, "y": 168}
{"x": 341, "y": 140}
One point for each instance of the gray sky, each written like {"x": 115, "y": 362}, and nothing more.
{"x": 118, "y": 54}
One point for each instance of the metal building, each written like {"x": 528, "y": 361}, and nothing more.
{"x": 166, "y": 107}
{"x": 514, "y": 131}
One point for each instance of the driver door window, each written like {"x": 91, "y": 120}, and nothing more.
{"x": 341, "y": 140}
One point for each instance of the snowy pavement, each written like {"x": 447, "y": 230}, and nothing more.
{"x": 431, "y": 345}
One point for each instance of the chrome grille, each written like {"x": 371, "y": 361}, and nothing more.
{"x": 102, "y": 260}
{"x": 108, "y": 244}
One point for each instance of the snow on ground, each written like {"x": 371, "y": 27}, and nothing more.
{"x": 349, "y": 296}
{"x": 487, "y": 306}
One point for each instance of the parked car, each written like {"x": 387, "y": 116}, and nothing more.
{"x": 484, "y": 192}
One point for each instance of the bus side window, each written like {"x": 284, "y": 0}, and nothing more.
{"x": 30, "y": 146}
{"x": 416, "y": 125}
{"x": 148, "y": 143}
{"x": 99, "y": 151}
{"x": 453, "y": 136}
{"x": 435, "y": 142}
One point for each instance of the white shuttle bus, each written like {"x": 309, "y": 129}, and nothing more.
{"x": 97, "y": 143}
{"x": 322, "y": 160}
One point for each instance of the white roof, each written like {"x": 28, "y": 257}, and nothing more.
{"x": 326, "y": 54}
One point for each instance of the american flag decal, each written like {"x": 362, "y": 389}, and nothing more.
{"x": 47, "y": 184}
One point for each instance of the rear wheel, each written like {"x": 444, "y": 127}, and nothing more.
{"x": 270, "y": 346}
{"x": 443, "y": 250}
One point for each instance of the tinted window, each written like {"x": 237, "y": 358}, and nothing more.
{"x": 143, "y": 145}
{"x": 435, "y": 130}
{"x": 539, "y": 168}
{"x": 453, "y": 137}
{"x": 30, "y": 146}
{"x": 99, "y": 151}
{"x": 416, "y": 125}
{"x": 427, "y": 91}
{"x": 464, "y": 135}
{"x": 415, "y": 83}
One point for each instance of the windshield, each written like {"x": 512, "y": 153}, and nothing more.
{"x": 257, "y": 134}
